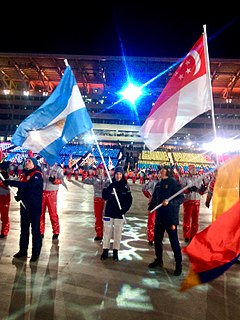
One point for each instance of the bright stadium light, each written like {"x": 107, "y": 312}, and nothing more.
{"x": 131, "y": 93}
{"x": 220, "y": 145}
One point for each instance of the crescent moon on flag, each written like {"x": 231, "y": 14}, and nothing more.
{"x": 197, "y": 59}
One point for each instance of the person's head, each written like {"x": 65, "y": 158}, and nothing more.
{"x": 166, "y": 172}
{"x": 118, "y": 173}
{"x": 30, "y": 163}
{"x": 100, "y": 168}
{"x": 192, "y": 169}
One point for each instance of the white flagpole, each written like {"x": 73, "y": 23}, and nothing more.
{"x": 109, "y": 177}
{"x": 210, "y": 85}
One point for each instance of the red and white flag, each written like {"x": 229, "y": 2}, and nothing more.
{"x": 187, "y": 95}
{"x": 110, "y": 164}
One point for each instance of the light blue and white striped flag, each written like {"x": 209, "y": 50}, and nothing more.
{"x": 62, "y": 117}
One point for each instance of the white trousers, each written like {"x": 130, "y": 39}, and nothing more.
{"x": 112, "y": 227}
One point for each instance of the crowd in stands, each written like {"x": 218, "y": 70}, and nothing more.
{"x": 143, "y": 168}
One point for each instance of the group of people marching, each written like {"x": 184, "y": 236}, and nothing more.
{"x": 38, "y": 187}
{"x": 37, "y": 191}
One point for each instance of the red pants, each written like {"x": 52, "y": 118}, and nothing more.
{"x": 150, "y": 226}
{"x": 76, "y": 175}
{"x": 141, "y": 180}
{"x": 191, "y": 210}
{"x": 50, "y": 201}
{"x": 84, "y": 175}
{"x": 69, "y": 176}
{"x": 98, "y": 212}
{"x": 4, "y": 211}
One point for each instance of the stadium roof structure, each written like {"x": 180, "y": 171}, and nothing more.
{"x": 97, "y": 74}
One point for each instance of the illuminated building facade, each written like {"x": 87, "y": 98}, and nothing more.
{"x": 27, "y": 80}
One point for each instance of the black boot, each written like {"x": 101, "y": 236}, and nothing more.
{"x": 156, "y": 263}
{"x": 20, "y": 255}
{"x": 104, "y": 255}
{"x": 115, "y": 255}
{"x": 178, "y": 270}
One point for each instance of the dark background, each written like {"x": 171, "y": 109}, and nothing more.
{"x": 131, "y": 28}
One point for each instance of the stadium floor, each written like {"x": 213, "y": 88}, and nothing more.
{"x": 71, "y": 282}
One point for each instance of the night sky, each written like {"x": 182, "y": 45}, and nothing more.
{"x": 130, "y": 28}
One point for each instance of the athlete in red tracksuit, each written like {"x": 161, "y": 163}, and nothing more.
{"x": 53, "y": 176}
{"x": 5, "y": 199}
{"x": 191, "y": 204}
{"x": 210, "y": 190}
{"x": 147, "y": 190}
{"x": 99, "y": 181}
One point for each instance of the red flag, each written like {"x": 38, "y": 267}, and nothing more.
{"x": 110, "y": 164}
{"x": 214, "y": 250}
{"x": 186, "y": 95}
{"x": 30, "y": 153}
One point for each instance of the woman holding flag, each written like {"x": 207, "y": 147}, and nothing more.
{"x": 113, "y": 216}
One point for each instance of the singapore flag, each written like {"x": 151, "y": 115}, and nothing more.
{"x": 187, "y": 95}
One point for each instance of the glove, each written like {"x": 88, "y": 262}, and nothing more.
{"x": 122, "y": 212}
{"x": 113, "y": 184}
{"x": 203, "y": 188}
{"x": 207, "y": 204}
{"x": 5, "y": 174}
{"x": 17, "y": 198}
{"x": 193, "y": 189}
{"x": 52, "y": 179}
{"x": 6, "y": 183}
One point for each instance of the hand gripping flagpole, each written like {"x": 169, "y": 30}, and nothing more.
{"x": 109, "y": 177}
{"x": 11, "y": 189}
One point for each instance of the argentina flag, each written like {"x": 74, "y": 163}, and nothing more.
{"x": 62, "y": 117}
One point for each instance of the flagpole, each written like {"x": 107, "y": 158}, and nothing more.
{"x": 13, "y": 192}
{"x": 184, "y": 188}
{"x": 210, "y": 85}
{"x": 108, "y": 174}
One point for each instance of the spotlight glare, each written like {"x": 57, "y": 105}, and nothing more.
{"x": 131, "y": 93}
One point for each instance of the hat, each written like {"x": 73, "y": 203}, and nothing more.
{"x": 169, "y": 170}
{"x": 5, "y": 165}
{"x": 118, "y": 169}
{"x": 191, "y": 166}
{"x": 166, "y": 167}
{"x": 100, "y": 166}
{"x": 34, "y": 161}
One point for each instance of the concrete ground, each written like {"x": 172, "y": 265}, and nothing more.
{"x": 70, "y": 281}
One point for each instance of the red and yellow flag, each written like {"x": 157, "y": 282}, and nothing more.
{"x": 226, "y": 188}
{"x": 215, "y": 249}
